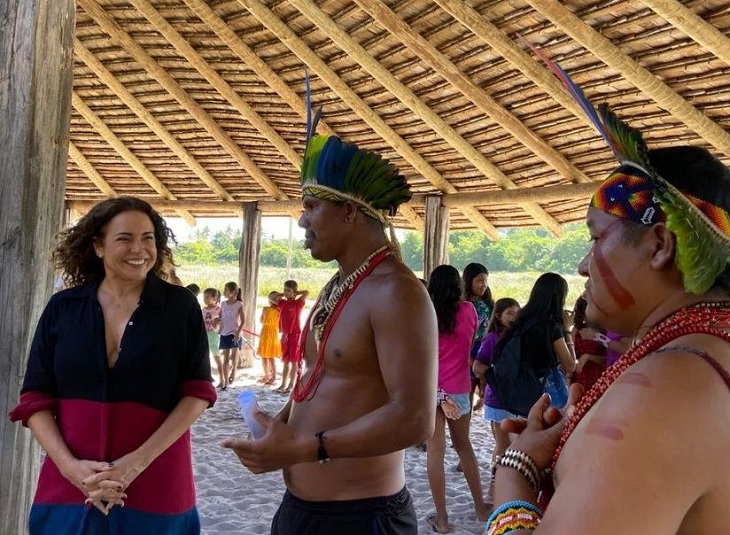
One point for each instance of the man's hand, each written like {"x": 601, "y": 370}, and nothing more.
{"x": 540, "y": 431}
{"x": 280, "y": 447}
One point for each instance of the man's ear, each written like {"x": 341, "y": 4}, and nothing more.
{"x": 664, "y": 247}
{"x": 350, "y": 212}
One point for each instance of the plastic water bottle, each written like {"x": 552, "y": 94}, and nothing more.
{"x": 249, "y": 406}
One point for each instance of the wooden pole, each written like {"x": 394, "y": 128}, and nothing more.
{"x": 436, "y": 242}
{"x": 36, "y": 67}
{"x": 248, "y": 273}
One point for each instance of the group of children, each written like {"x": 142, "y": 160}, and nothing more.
{"x": 224, "y": 324}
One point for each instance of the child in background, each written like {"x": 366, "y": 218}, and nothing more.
{"x": 478, "y": 293}
{"x": 195, "y": 290}
{"x": 590, "y": 347}
{"x": 505, "y": 312}
{"x": 291, "y": 304}
{"x": 232, "y": 318}
{"x": 212, "y": 319}
{"x": 269, "y": 345}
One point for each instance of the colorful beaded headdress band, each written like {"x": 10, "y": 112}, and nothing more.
{"x": 338, "y": 171}
{"x": 636, "y": 192}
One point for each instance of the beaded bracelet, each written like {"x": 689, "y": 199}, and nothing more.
{"x": 513, "y": 516}
{"x": 441, "y": 396}
{"x": 524, "y": 465}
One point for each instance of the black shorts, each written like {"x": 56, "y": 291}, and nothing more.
{"x": 387, "y": 515}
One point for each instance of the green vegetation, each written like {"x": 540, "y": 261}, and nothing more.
{"x": 515, "y": 261}
{"x": 516, "y": 251}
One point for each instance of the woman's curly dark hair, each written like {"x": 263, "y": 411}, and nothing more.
{"x": 75, "y": 253}
{"x": 446, "y": 290}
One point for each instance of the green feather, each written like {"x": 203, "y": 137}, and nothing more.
{"x": 626, "y": 142}
{"x": 699, "y": 256}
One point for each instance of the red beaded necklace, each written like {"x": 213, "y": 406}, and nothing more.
{"x": 324, "y": 315}
{"x": 702, "y": 318}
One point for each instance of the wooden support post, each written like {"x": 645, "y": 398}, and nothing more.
{"x": 436, "y": 242}
{"x": 248, "y": 274}
{"x": 36, "y": 69}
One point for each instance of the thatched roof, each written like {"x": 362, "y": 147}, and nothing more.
{"x": 203, "y": 100}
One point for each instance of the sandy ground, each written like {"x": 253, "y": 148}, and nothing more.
{"x": 231, "y": 500}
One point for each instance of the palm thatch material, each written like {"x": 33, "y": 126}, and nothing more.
{"x": 198, "y": 105}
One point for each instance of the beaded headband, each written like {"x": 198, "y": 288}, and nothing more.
{"x": 628, "y": 193}
{"x": 702, "y": 228}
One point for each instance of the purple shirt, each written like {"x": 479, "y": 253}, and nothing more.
{"x": 486, "y": 351}
{"x": 454, "y": 350}
{"x": 612, "y": 356}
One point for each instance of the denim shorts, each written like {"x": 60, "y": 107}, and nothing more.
{"x": 493, "y": 414}
{"x": 227, "y": 342}
{"x": 463, "y": 401}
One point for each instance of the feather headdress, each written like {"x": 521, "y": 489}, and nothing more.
{"x": 702, "y": 228}
{"x": 336, "y": 170}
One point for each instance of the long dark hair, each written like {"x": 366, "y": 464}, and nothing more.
{"x": 75, "y": 253}
{"x": 471, "y": 271}
{"x": 446, "y": 291}
{"x": 495, "y": 320}
{"x": 547, "y": 300}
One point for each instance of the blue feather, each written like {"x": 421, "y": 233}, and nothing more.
{"x": 578, "y": 95}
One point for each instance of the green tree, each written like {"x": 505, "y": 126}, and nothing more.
{"x": 412, "y": 249}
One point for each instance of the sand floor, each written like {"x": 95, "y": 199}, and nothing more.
{"x": 233, "y": 501}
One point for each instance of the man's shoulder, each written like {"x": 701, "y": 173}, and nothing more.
{"x": 394, "y": 276}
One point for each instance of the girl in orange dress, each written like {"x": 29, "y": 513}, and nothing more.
{"x": 269, "y": 344}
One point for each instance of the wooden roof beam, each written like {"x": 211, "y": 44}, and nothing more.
{"x": 360, "y": 107}
{"x": 420, "y": 108}
{"x": 90, "y": 171}
{"x": 217, "y": 81}
{"x": 224, "y": 32}
{"x": 454, "y": 200}
{"x": 126, "y": 154}
{"x": 113, "y": 83}
{"x": 162, "y": 77}
{"x": 442, "y": 65}
{"x": 693, "y": 25}
{"x": 642, "y": 78}
{"x": 511, "y": 51}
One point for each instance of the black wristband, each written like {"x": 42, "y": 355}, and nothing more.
{"x": 322, "y": 455}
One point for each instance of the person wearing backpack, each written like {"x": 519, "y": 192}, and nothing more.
{"x": 505, "y": 311}
{"x": 528, "y": 358}
{"x": 457, "y": 324}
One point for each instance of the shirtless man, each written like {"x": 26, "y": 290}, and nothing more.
{"x": 369, "y": 389}
{"x": 645, "y": 450}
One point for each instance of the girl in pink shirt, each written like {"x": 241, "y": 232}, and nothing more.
{"x": 457, "y": 322}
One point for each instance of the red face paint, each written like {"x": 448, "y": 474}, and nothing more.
{"x": 620, "y": 295}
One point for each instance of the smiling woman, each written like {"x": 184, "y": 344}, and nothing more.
{"x": 114, "y": 382}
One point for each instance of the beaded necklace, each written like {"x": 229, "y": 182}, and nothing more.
{"x": 702, "y": 318}
{"x": 323, "y": 317}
